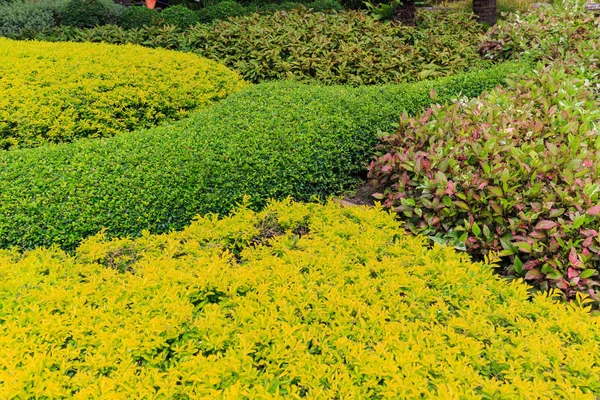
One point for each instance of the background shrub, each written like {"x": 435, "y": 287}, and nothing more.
{"x": 18, "y": 17}
{"x": 221, "y": 11}
{"x": 545, "y": 34}
{"x": 57, "y": 92}
{"x": 280, "y": 304}
{"x": 139, "y": 16}
{"x": 90, "y": 13}
{"x": 269, "y": 141}
{"x": 325, "y": 5}
{"x": 179, "y": 16}
{"x": 336, "y": 48}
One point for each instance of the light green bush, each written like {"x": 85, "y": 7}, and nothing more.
{"x": 269, "y": 141}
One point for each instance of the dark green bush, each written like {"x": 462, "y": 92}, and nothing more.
{"x": 335, "y": 48}
{"x": 89, "y": 13}
{"x": 222, "y": 11}
{"x": 325, "y": 5}
{"x": 179, "y": 16}
{"x": 17, "y": 17}
{"x": 139, "y": 16}
{"x": 269, "y": 141}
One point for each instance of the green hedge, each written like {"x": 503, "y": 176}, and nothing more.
{"x": 269, "y": 141}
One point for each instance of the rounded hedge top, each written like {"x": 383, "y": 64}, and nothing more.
{"x": 299, "y": 301}
{"x": 56, "y": 92}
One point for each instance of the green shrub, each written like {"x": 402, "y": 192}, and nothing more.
{"x": 325, "y": 5}
{"x": 59, "y": 92}
{"x": 339, "y": 48}
{"x": 18, "y": 17}
{"x": 222, "y": 11}
{"x": 273, "y": 7}
{"x": 299, "y": 301}
{"x": 179, "y": 16}
{"x": 90, "y": 13}
{"x": 335, "y": 48}
{"x": 516, "y": 172}
{"x": 269, "y": 141}
{"x": 139, "y": 16}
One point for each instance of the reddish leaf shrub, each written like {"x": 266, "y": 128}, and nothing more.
{"x": 544, "y": 34}
{"x": 516, "y": 171}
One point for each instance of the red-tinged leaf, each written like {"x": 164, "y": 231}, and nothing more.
{"x": 378, "y": 196}
{"x": 531, "y": 264}
{"x": 562, "y": 284}
{"x": 450, "y": 188}
{"x": 574, "y": 259}
{"x": 587, "y": 242}
{"x": 545, "y": 225}
{"x": 533, "y": 274}
{"x": 571, "y": 273}
{"x": 595, "y": 210}
{"x": 589, "y": 232}
{"x": 524, "y": 247}
{"x": 537, "y": 235}
{"x": 593, "y": 294}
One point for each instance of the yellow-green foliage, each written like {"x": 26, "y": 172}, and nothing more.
{"x": 56, "y": 92}
{"x": 300, "y": 300}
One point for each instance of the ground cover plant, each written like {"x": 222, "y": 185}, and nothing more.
{"x": 269, "y": 141}
{"x": 337, "y": 48}
{"x": 59, "y": 92}
{"x": 516, "y": 171}
{"x": 296, "y": 301}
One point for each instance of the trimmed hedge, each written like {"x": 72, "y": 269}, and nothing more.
{"x": 58, "y": 92}
{"x": 269, "y": 141}
{"x": 299, "y": 301}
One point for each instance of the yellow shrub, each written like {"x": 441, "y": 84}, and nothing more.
{"x": 300, "y": 300}
{"x": 57, "y": 92}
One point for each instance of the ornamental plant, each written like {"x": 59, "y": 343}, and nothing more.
{"x": 59, "y": 92}
{"x": 516, "y": 172}
{"x": 270, "y": 141}
{"x": 546, "y": 34}
{"x": 335, "y": 48}
{"x": 297, "y": 301}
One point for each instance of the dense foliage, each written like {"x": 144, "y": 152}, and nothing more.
{"x": 139, "y": 16}
{"x": 517, "y": 171}
{"x": 335, "y": 48}
{"x": 269, "y": 141}
{"x": 542, "y": 35}
{"x": 15, "y": 18}
{"x": 299, "y": 301}
{"x": 179, "y": 16}
{"x": 56, "y": 92}
{"x": 89, "y": 13}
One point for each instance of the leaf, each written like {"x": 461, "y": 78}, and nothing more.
{"x": 554, "y": 275}
{"x": 533, "y": 274}
{"x": 524, "y": 247}
{"x": 587, "y": 273}
{"x": 545, "y": 225}
{"x": 594, "y": 211}
{"x": 574, "y": 259}
{"x": 476, "y": 230}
